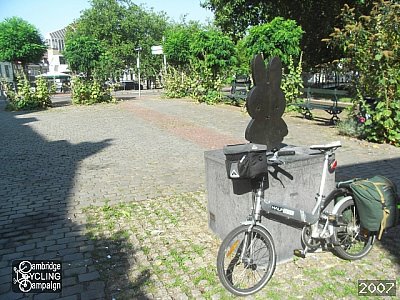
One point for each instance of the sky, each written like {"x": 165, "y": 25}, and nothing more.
{"x": 52, "y": 15}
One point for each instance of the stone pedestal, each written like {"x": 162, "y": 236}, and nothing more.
{"x": 229, "y": 201}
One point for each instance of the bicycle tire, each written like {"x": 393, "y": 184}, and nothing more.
{"x": 262, "y": 257}
{"x": 354, "y": 242}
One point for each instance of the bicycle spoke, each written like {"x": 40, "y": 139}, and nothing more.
{"x": 246, "y": 260}
{"x": 353, "y": 243}
{"x": 241, "y": 275}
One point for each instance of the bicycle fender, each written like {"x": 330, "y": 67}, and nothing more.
{"x": 337, "y": 205}
{"x": 334, "y": 211}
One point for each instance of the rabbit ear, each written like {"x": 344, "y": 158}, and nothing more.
{"x": 274, "y": 75}
{"x": 258, "y": 70}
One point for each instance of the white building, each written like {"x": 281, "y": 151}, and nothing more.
{"x": 55, "y": 45}
{"x": 6, "y": 72}
{"x": 6, "y": 75}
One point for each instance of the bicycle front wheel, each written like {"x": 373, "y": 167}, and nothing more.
{"x": 354, "y": 241}
{"x": 246, "y": 260}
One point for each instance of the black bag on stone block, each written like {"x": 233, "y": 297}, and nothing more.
{"x": 376, "y": 200}
{"x": 246, "y": 161}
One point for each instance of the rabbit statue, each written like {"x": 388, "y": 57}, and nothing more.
{"x": 266, "y": 104}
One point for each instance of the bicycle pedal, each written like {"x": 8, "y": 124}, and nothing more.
{"x": 300, "y": 253}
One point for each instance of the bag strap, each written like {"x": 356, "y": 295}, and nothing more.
{"x": 386, "y": 211}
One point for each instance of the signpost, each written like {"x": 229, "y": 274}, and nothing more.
{"x": 138, "y": 65}
{"x": 158, "y": 50}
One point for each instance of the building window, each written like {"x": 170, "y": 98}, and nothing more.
{"x": 62, "y": 60}
{"x": 1, "y": 71}
{"x": 6, "y": 69}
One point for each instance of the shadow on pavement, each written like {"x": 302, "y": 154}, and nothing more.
{"x": 114, "y": 258}
{"x": 38, "y": 217}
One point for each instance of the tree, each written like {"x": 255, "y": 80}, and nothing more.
{"x": 214, "y": 51}
{"x": 371, "y": 47}
{"x": 277, "y": 38}
{"x": 316, "y": 17}
{"x": 121, "y": 27}
{"x": 200, "y": 60}
{"x": 176, "y": 47}
{"x": 83, "y": 54}
{"x": 102, "y": 43}
{"x": 20, "y": 42}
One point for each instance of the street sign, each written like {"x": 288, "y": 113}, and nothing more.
{"x": 157, "y": 50}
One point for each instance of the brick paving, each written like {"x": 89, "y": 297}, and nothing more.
{"x": 54, "y": 163}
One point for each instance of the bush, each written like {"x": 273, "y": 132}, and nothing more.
{"x": 89, "y": 92}
{"x": 292, "y": 83}
{"x": 200, "y": 59}
{"x": 372, "y": 46}
{"x": 26, "y": 98}
{"x": 351, "y": 127}
{"x": 205, "y": 86}
{"x": 198, "y": 83}
{"x": 175, "y": 83}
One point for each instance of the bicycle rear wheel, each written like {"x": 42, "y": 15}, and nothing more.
{"x": 354, "y": 241}
{"x": 246, "y": 260}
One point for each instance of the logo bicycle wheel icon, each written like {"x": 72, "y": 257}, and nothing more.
{"x": 22, "y": 276}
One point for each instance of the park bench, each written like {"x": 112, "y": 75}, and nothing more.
{"x": 239, "y": 89}
{"x": 330, "y": 106}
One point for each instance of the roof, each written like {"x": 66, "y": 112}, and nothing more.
{"x": 59, "y": 34}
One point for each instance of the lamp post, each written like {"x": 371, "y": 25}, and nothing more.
{"x": 138, "y": 49}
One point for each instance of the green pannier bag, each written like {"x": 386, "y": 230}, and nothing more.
{"x": 376, "y": 200}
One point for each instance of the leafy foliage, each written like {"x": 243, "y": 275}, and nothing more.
{"x": 292, "y": 83}
{"x": 317, "y": 18}
{"x": 200, "y": 60}
{"x": 214, "y": 51}
{"x": 102, "y": 42}
{"x": 277, "y": 38}
{"x": 371, "y": 44}
{"x": 120, "y": 27}
{"x": 26, "y": 98}
{"x": 89, "y": 92}
{"x": 177, "y": 44}
{"x": 350, "y": 127}
{"x": 20, "y": 42}
{"x": 176, "y": 83}
{"x": 204, "y": 85}
{"x": 83, "y": 54}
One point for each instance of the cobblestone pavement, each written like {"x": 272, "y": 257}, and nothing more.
{"x": 54, "y": 163}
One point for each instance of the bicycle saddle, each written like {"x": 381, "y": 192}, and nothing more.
{"x": 329, "y": 146}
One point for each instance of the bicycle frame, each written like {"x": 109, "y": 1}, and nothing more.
{"x": 287, "y": 214}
